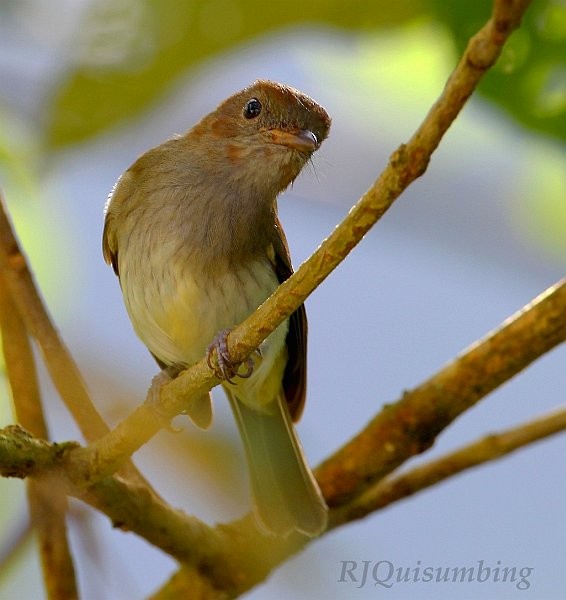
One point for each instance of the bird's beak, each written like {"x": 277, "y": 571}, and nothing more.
{"x": 303, "y": 140}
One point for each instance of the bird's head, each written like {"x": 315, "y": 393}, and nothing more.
{"x": 264, "y": 133}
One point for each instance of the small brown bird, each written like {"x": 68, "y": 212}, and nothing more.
{"x": 192, "y": 232}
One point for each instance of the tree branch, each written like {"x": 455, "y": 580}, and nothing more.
{"x": 491, "y": 447}
{"x": 47, "y": 500}
{"x": 62, "y": 368}
{"x": 410, "y": 425}
{"x": 214, "y": 554}
{"x": 23, "y": 455}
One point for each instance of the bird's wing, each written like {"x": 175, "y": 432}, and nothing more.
{"x": 295, "y": 375}
{"x": 109, "y": 247}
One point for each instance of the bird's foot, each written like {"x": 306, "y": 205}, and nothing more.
{"x": 226, "y": 368}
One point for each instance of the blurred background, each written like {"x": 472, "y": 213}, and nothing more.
{"x": 86, "y": 86}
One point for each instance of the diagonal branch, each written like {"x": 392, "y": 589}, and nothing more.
{"x": 62, "y": 368}
{"x": 47, "y": 500}
{"x": 410, "y": 426}
{"x": 406, "y": 164}
{"x": 491, "y": 447}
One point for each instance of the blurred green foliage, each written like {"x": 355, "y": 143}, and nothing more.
{"x": 132, "y": 50}
{"x": 129, "y": 52}
{"x": 529, "y": 80}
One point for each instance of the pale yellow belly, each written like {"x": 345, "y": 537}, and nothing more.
{"x": 178, "y": 315}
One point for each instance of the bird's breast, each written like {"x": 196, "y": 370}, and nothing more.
{"x": 177, "y": 308}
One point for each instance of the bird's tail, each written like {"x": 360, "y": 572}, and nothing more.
{"x": 285, "y": 493}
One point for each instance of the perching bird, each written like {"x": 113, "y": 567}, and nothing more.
{"x": 192, "y": 232}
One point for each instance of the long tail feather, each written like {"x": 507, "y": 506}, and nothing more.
{"x": 286, "y": 495}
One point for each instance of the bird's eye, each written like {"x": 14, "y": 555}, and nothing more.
{"x": 252, "y": 108}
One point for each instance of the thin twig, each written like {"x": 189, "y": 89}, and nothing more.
{"x": 47, "y": 500}
{"x": 491, "y": 447}
{"x": 410, "y": 425}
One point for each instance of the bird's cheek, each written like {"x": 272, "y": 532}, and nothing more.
{"x": 235, "y": 153}
{"x": 241, "y": 154}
